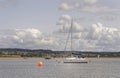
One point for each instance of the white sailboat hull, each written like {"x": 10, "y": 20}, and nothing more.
{"x": 75, "y": 60}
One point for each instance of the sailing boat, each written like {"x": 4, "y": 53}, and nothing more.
{"x": 73, "y": 59}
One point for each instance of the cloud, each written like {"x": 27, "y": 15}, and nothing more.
{"x": 66, "y": 6}
{"x": 27, "y": 38}
{"x": 66, "y": 21}
{"x": 67, "y": 28}
{"x": 96, "y": 38}
{"x": 89, "y": 1}
{"x": 66, "y": 17}
{"x": 91, "y": 6}
{"x": 100, "y": 32}
{"x": 34, "y": 33}
{"x": 106, "y": 38}
{"x": 98, "y": 9}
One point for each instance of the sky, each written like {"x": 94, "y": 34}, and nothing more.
{"x": 45, "y": 24}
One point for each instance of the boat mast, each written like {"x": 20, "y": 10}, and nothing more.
{"x": 71, "y": 34}
{"x": 70, "y": 37}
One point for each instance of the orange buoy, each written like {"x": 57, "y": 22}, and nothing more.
{"x": 40, "y": 64}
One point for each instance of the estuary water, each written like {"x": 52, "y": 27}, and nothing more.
{"x": 27, "y": 68}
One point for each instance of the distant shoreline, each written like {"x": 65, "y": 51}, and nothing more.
{"x": 13, "y": 58}
{"x": 20, "y": 58}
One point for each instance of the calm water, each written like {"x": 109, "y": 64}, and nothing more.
{"x": 27, "y": 68}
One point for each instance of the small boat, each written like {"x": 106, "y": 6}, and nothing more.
{"x": 47, "y": 58}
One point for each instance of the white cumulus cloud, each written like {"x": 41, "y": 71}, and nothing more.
{"x": 96, "y": 38}
{"x": 92, "y": 6}
{"x": 90, "y": 1}
{"x": 65, "y": 6}
{"x": 27, "y": 38}
{"x": 66, "y": 22}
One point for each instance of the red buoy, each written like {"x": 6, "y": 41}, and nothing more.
{"x": 40, "y": 64}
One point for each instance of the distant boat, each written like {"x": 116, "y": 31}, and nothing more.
{"x": 47, "y": 58}
{"x": 74, "y": 59}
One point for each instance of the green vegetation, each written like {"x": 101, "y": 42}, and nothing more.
{"x": 54, "y": 54}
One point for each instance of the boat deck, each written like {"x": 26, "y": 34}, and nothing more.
{"x": 77, "y": 62}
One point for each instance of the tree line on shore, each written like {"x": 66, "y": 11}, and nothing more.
{"x": 16, "y": 52}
